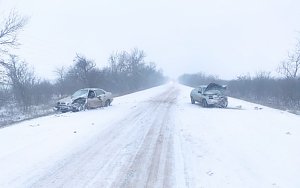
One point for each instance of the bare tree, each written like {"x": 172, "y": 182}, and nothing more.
{"x": 82, "y": 68}
{"x": 61, "y": 74}
{"x": 9, "y": 30}
{"x": 21, "y": 78}
{"x": 3, "y": 78}
{"x": 126, "y": 72}
{"x": 118, "y": 62}
{"x": 290, "y": 68}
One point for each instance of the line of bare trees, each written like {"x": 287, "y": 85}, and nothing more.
{"x": 21, "y": 85}
{"x": 282, "y": 93}
{"x": 126, "y": 72}
{"x": 279, "y": 92}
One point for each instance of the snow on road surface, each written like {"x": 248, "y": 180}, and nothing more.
{"x": 155, "y": 138}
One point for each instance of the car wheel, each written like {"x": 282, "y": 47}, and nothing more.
{"x": 192, "y": 100}
{"x": 79, "y": 105}
{"x": 224, "y": 104}
{"x": 64, "y": 111}
{"x": 82, "y": 107}
{"x": 107, "y": 103}
{"x": 204, "y": 103}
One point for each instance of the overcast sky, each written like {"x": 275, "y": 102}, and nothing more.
{"x": 221, "y": 37}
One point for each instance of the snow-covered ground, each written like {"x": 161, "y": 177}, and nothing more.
{"x": 155, "y": 138}
{"x": 13, "y": 113}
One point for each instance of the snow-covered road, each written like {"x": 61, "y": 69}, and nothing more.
{"x": 154, "y": 138}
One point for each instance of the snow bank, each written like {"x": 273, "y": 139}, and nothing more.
{"x": 245, "y": 145}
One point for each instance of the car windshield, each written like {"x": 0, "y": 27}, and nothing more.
{"x": 215, "y": 92}
{"x": 79, "y": 93}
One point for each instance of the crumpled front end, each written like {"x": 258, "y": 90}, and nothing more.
{"x": 214, "y": 94}
{"x": 64, "y": 105}
{"x": 220, "y": 101}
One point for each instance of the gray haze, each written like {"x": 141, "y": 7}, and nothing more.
{"x": 225, "y": 38}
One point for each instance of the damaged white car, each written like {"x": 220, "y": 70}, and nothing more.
{"x": 82, "y": 99}
{"x": 210, "y": 95}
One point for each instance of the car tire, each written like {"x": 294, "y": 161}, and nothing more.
{"x": 79, "y": 105}
{"x": 107, "y": 103}
{"x": 224, "y": 104}
{"x": 192, "y": 100}
{"x": 204, "y": 103}
{"x": 64, "y": 111}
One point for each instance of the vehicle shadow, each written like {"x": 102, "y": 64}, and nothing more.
{"x": 235, "y": 108}
{"x": 216, "y": 107}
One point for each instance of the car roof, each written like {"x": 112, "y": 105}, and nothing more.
{"x": 92, "y": 89}
{"x": 202, "y": 86}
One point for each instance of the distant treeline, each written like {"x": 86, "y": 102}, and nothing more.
{"x": 126, "y": 72}
{"x": 23, "y": 95}
{"x": 282, "y": 93}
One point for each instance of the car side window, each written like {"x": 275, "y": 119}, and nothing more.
{"x": 91, "y": 94}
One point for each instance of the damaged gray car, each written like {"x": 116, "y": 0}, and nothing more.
{"x": 82, "y": 99}
{"x": 210, "y": 95}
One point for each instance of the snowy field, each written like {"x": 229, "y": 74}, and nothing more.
{"x": 155, "y": 138}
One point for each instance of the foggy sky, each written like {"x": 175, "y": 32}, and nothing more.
{"x": 224, "y": 38}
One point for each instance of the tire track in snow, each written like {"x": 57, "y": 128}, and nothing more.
{"x": 152, "y": 165}
{"x": 136, "y": 152}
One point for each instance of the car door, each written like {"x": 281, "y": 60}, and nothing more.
{"x": 101, "y": 95}
{"x": 198, "y": 93}
{"x": 93, "y": 101}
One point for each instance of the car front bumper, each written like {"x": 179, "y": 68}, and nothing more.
{"x": 218, "y": 101}
{"x": 63, "y": 108}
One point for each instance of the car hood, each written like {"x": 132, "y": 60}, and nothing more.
{"x": 70, "y": 99}
{"x": 66, "y": 100}
{"x": 213, "y": 86}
